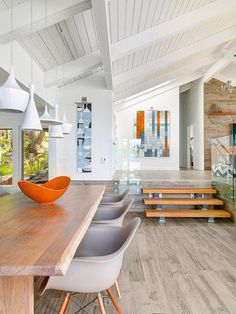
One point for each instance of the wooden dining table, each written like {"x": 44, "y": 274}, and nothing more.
{"x": 40, "y": 240}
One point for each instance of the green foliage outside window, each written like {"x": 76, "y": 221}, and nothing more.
{"x": 35, "y": 155}
{"x": 6, "y": 156}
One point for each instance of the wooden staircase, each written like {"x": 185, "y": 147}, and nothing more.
{"x": 200, "y": 197}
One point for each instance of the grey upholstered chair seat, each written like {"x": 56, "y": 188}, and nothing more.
{"x": 98, "y": 259}
{"x": 112, "y": 215}
{"x": 114, "y": 199}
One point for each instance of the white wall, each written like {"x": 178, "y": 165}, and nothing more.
{"x": 183, "y": 129}
{"x": 94, "y": 89}
{"x": 125, "y": 120}
{"x": 193, "y": 114}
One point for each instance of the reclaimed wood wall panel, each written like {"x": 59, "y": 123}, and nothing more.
{"x": 216, "y": 126}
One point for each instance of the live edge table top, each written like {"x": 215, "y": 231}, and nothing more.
{"x": 41, "y": 239}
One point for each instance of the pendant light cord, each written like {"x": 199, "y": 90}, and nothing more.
{"x": 31, "y": 74}
{"x": 12, "y": 32}
{"x": 46, "y": 24}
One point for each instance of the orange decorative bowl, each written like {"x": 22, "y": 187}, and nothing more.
{"x": 47, "y": 192}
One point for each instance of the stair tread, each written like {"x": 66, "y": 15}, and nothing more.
{"x": 183, "y": 201}
{"x": 179, "y": 190}
{"x": 185, "y": 213}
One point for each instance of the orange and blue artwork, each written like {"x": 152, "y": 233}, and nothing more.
{"x": 153, "y": 128}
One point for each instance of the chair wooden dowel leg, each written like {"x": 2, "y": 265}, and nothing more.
{"x": 117, "y": 289}
{"x": 111, "y": 295}
{"x": 101, "y": 304}
{"x": 65, "y": 303}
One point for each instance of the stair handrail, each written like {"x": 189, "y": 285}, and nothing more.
{"x": 228, "y": 163}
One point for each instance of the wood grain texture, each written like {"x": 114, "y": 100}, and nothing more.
{"x": 182, "y": 201}
{"x": 187, "y": 213}
{"x": 215, "y": 99}
{"x": 222, "y": 113}
{"x": 179, "y": 190}
{"x": 185, "y": 266}
{"x": 16, "y": 294}
{"x": 42, "y": 239}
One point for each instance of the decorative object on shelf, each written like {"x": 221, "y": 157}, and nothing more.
{"x": 153, "y": 127}
{"x": 12, "y": 97}
{"x": 227, "y": 87}
{"x": 222, "y": 113}
{"x": 66, "y": 126}
{"x": 31, "y": 118}
{"x": 47, "y": 192}
{"x": 84, "y": 138}
{"x": 217, "y": 111}
{"x": 47, "y": 119}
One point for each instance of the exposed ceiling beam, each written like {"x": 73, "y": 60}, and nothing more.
{"x": 184, "y": 71}
{"x": 164, "y": 30}
{"x": 220, "y": 64}
{"x": 184, "y": 88}
{"x": 100, "y": 13}
{"x": 162, "y": 88}
{"x": 176, "y": 56}
{"x": 57, "y": 11}
{"x": 72, "y": 69}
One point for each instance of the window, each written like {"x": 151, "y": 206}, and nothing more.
{"x": 35, "y": 156}
{"x": 6, "y": 156}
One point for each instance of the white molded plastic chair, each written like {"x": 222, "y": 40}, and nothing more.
{"x": 112, "y": 215}
{"x": 97, "y": 262}
{"x": 114, "y": 199}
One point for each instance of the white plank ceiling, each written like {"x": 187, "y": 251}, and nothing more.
{"x": 228, "y": 73}
{"x": 63, "y": 42}
{"x": 75, "y": 36}
{"x": 203, "y": 60}
{"x": 6, "y": 4}
{"x": 175, "y": 42}
{"x": 128, "y": 17}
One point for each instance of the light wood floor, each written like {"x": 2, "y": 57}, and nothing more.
{"x": 168, "y": 175}
{"x": 184, "y": 266}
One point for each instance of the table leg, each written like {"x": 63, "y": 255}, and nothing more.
{"x": 16, "y": 295}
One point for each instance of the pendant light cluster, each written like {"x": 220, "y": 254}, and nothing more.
{"x": 57, "y": 127}
{"x": 16, "y": 100}
{"x": 31, "y": 118}
{"x": 12, "y": 97}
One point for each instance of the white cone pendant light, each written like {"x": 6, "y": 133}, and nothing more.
{"x": 47, "y": 119}
{"x": 56, "y": 131}
{"x": 12, "y": 97}
{"x": 66, "y": 126}
{"x": 31, "y": 117}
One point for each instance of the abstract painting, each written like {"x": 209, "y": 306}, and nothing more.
{"x": 153, "y": 127}
{"x": 84, "y": 134}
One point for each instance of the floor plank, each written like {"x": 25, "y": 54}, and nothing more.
{"x": 185, "y": 266}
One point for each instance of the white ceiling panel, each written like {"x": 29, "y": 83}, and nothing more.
{"x": 155, "y": 74}
{"x": 6, "y": 4}
{"x": 63, "y": 42}
{"x": 128, "y": 17}
{"x": 176, "y": 42}
{"x": 229, "y": 71}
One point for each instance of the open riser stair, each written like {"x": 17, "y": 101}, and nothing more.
{"x": 197, "y": 203}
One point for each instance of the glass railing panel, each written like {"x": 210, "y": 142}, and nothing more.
{"x": 223, "y": 166}
{"x": 126, "y": 165}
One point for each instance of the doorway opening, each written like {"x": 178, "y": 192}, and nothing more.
{"x": 190, "y": 147}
